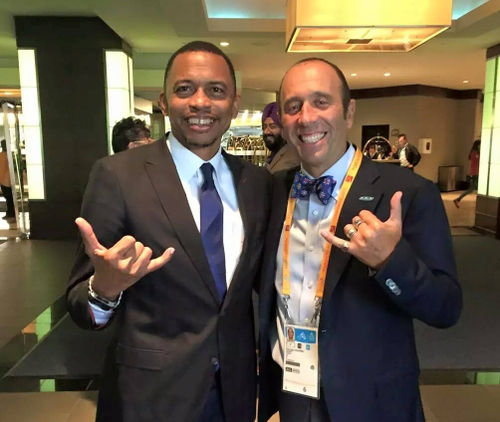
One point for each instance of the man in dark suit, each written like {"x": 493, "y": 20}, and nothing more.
{"x": 364, "y": 249}
{"x": 406, "y": 153}
{"x": 184, "y": 347}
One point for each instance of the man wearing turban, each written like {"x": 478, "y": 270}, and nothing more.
{"x": 283, "y": 156}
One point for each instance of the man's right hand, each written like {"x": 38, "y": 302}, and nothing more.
{"x": 122, "y": 265}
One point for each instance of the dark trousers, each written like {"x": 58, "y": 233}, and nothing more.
{"x": 295, "y": 408}
{"x": 472, "y": 187}
{"x": 7, "y": 193}
{"x": 213, "y": 410}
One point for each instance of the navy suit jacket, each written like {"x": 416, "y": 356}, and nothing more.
{"x": 368, "y": 362}
{"x": 172, "y": 333}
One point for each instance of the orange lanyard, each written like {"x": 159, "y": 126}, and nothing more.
{"x": 344, "y": 190}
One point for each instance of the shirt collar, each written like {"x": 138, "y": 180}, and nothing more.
{"x": 187, "y": 162}
{"x": 339, "y": 169}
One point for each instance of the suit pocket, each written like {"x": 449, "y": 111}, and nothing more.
{"x": 140, "y": 358}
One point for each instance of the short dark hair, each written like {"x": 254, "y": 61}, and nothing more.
{"x": 476, "y": 146}
{"x": 128, "y": 130}
{"x": 402, "y": 135}
{"x": 345, "y": 91}
{"x": 194, "y": 46}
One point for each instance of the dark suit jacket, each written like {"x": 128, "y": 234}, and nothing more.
{"x": 369, "y": 366}
{"x": 412, "y": 154}
{"x": 172, "y": 331}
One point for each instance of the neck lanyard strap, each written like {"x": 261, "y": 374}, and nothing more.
{"x": 344, "y": 190}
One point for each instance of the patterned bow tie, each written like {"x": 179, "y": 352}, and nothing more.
{"x": 303, "y": 186}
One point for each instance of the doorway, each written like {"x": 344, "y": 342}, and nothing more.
{"x": 369, "y": 131}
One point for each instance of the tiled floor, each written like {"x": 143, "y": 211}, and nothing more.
{"x": 67, "y": 406}
{"x": 8, "y": 230}
{"x": 443, "y": 403}
{"x": 463, "y": 216}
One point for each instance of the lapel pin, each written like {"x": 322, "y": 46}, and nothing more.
{"x": 366, "y": 198}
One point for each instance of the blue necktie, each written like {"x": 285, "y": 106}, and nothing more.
{"x": 303, "y": 186}
{"x": 211, "y": 222}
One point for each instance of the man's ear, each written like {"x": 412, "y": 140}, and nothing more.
{"x": 351, "y": 109}
{"x": 163, "y": 104}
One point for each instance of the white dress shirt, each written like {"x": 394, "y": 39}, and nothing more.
{"x": 188, "y": 167}
{"x": 310, "y": 217}
{"x": 402, "y": 157}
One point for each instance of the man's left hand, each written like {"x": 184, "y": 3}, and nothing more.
{"x": 371, "y": 241}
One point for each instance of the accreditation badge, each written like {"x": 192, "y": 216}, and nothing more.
{"x": 301, "y": 363}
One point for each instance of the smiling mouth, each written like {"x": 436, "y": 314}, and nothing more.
{"x": 200, "y": 122}
{"x": 312, "y": 138}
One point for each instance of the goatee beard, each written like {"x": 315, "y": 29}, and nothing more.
{"x": 276, "y": 143}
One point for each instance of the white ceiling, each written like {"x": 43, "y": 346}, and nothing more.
{"x": 155, "y": 28}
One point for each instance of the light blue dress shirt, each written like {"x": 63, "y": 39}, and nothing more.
{"x": 310, "y": 217}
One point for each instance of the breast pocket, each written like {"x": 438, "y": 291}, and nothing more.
{"x": 135, "y": 357}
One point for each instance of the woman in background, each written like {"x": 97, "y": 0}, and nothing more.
{"x": 473, "y": 172}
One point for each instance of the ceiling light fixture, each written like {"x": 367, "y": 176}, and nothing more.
{"x": 363, "y": 25}
{"x": 354, "y": 74}
{"x": 223, "y": 43}
{"x": 466, "y": 81}
{"x": 386, "y": 74}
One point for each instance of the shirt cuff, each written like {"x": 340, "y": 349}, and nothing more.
{"x": 100, "y": 316}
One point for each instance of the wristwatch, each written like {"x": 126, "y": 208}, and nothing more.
{"x": 102, "y": 302}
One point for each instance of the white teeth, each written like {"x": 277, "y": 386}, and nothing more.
{"x": 200, "y": 121}
{"x": 311, "y": 139}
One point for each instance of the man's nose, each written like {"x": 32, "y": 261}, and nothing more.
{"x": 200, "y": 100}
{"x": 307, "y": 114}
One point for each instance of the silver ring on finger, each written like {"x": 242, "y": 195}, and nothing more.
{"x": 351, "y": 232}
{"x": 345, "y": 246}
{"x": 357, "y": 222}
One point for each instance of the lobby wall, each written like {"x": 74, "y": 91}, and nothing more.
{"x": 452, "y": 124}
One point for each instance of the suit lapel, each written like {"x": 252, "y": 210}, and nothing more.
{"x": 166, "y": 182}
{"x": 363, "y": 195}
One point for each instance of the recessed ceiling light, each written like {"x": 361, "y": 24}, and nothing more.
{"x": 354, "y": 74}
{"x": 387, "y": 74}
{"x": 223, "y": 43}
{"x": 466, "y": 81}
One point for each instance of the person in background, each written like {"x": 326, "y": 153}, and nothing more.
{"x": 355, "y": 251}
{"x": 282, "y": 155}
{"x": 473, "y": 172}
{"x": 184, "y": 349}
{"x": 407, "y": 153}
{"x": 5, "y": 183}
{"x": 130, "y": 133}
{"x": 371, "y": 152}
